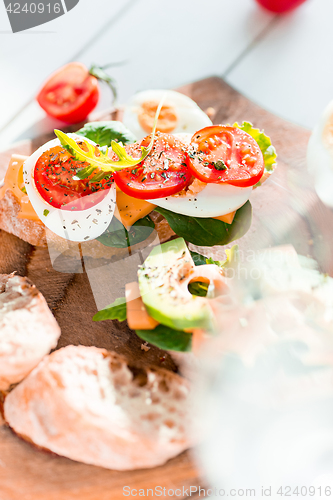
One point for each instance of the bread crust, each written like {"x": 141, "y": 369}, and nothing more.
{"x": 28, "y": 329}
{"x": 89, "y": 405}
{"x": 27, "y": 230}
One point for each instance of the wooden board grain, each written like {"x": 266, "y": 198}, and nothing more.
{"x": 286, "y": 210}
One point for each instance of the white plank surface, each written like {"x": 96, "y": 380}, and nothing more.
{"x": 290, "y": 71}
{"x": 166, "y": 43}
{"x": 27, "y": 58}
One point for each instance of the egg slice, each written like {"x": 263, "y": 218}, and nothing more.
{"x": 74, "y": 225}
{"x": 320, "y": 156}
{"x": 178, "y": 114}
{"x": 205, "y": 200}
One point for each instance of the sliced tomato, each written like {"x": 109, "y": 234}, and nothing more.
{"x": 53, "y": 175}
{"x": 70, "y": 93}
{"x": 225, "y": 155}
{"x": 163, "y": 172}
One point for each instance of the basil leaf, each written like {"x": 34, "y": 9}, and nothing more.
{"x": 209, "y": 232}
{"x": 167, "y": 338}
{"x": 104, "y": 132}
{"x": 117, "y": 310}
{"x": 117, "y": 236}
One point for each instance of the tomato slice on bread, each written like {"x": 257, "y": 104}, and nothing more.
{"x": 162, "y": 173}
{"x": 70, "y": 93}
{"x": 223, "y": 154}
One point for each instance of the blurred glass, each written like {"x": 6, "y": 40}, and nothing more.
{"x": 265, "y": 389}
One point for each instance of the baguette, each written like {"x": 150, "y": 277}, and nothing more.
{"x": 89, "y": 405}
{"x": 28, "y": 329}
{"x": 37, "y": 234}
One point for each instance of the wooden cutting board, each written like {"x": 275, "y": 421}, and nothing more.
{"x": 286, "y": 210}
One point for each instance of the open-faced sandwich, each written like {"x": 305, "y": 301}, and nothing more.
{"x": 175, "y": 300}
{"x": 194, "y": 185}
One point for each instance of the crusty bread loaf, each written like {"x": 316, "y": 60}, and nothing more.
{"x": 37, "y": 234}
{"x": 87, "y": 404}
{"x": 28, "y": 329}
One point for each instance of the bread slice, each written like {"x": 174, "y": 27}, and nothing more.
{"x": 89, "y": 405}
{"x": 27, "y": 230}
{"x": 37, "y": 234}
{"x": 28, "y": 329}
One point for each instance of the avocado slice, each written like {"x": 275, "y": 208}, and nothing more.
{"x": 160, "y": 282}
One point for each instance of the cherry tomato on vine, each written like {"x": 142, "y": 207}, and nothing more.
{"x": 70, "y": 93}
{"x": 223, "y": 154}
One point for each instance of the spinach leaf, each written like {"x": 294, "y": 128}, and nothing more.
{"x": 117, "y": 310}
{"x": 209, "y": 232}
{"x": 104, "y": 132}
{"x": 198, "y": 259}
{"x": 167, "y": 338}
{"x": 117, "y": 236}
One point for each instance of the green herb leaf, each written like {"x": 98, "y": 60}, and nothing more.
{"x": 23, "y": 189}
{"x": 117, "y": 236}
{"x": 219, "y": 165}
{"x": 117, "y": 310}
{"x": 103, "y": 162}
{"x": 104, "y": 132}
{"x": 46, "y": 212}
{"x": 209, "y": 232}
{"x": 264, "y": 143}
{"x": 167, "y": 338}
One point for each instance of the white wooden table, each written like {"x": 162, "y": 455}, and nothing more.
{"x": 284, "y": 63}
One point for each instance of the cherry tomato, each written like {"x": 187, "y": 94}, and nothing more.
{"x": 163, "y": 172}
{"x": 280, "y": 6}
{"x": 70, "y": 93}
{"x": 225, "y": 155}
{"x": 54, "y": 181}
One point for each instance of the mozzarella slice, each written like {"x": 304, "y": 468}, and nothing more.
{"x": 212, "y": 201}
{"x": 73, "y": 225}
